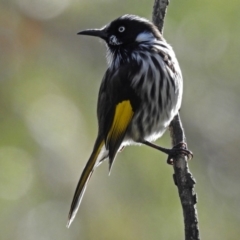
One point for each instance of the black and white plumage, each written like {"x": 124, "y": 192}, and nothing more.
{"x": 140, "y": 93}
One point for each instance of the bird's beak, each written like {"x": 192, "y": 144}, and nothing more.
{"x": 95, "y": 32}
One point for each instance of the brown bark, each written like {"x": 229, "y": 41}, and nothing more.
{"x": 182, "y": 176}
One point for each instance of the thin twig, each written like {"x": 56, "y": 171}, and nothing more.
{"x": 159, "y": 12}
{"x": 183, "y": 178}
{"x": 185, "y": 182}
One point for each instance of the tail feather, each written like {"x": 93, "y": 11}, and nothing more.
{"x": 98, "y": 154}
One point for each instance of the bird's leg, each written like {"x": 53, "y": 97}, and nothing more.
{"x": 180, "y": 148}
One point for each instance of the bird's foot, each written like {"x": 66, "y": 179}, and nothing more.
{"x": 179, "y": 149}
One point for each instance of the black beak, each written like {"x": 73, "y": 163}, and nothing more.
{"x": 95, "y": 32}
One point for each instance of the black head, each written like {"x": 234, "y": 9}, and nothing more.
{"x": 126, "y": 30}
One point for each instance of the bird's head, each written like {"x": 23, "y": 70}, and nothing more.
{"x": 126, "y": 30}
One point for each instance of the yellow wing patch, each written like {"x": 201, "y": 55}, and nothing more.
{"x": 122, "y": 118}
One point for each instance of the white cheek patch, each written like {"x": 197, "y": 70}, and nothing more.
{"x": 114, "y": 41}
{"x": 144, "y": 37}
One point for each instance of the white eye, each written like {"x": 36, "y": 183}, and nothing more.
{"x": 121, "y": 29}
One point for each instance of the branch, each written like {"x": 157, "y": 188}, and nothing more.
{"x": 159, "y": 12}
{"x": 185, "y": 182}
{"x": 183, "y": 178}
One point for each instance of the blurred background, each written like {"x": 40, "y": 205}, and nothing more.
{"x": 49, "y": 80}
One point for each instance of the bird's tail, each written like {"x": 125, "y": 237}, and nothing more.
{"x": 98, "y": 154}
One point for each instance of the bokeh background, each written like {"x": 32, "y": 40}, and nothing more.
{"x": 49, "y": 80}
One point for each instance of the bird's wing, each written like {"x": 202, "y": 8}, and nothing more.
{"x": 117, "y": 103}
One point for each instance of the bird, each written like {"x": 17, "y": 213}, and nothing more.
{"x": 140, "y": 94}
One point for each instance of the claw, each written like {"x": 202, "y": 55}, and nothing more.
{"x": 180, "y": 148}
